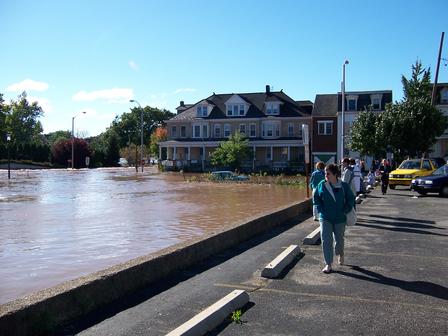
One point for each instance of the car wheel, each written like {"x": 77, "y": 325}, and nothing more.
{"x": 421, "y": 192}
{"x": 391, "y": 186}
{"x": 444, "y": 191}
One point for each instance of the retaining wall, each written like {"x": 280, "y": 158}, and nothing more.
{"x": 45, "y": 310}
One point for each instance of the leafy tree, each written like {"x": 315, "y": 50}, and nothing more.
{"x": 410, "y": 126}
{"x": 232, "y": 152}
{"x": 364, "y": 134}
{"x": 62, "y": 152}
{"x": 54, "y": 137}
{"x": 22, "y": 120}
{"x": 160, "y": 134}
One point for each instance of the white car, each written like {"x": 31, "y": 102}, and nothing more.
{"x": 123, "y": 162}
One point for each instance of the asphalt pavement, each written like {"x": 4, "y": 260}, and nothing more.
{"x": 394, "y": 282}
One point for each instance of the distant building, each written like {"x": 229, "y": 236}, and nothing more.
{"x": 327, "y": 120}
{"x": 271, "y": 120}
{"x": 440, "y": 148}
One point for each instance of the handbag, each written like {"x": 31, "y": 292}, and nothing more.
{"x": 351, "y": 217}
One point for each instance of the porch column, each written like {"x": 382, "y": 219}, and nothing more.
{"x": 188, "y": 153}
{"x": 203, "y": 157}
{"x": 254, "y": 157}
{"x": 160, "y": 152}
{"x": 289, "y": 153}
{"x": 272, "y": 153}
{"x": 174, "y": 153}
{"x": 168, "y": 153}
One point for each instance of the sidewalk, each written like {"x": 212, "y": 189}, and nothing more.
{"x": 394, "y": 281}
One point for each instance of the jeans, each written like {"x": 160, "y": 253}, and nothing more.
{"x": 328, "y": 231}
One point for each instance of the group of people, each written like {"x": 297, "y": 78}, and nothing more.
{"x": 334, "y": 192}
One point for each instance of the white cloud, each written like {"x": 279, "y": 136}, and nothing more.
{"x": 42, "y": 102}
{"x": 133, "y": 65}
{"x": 115, "y": 95}
{"x": 184, "y": 90}
{"x": 28, "y": 85}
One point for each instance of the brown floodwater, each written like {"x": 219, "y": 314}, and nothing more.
{"x": 57, "y": 225}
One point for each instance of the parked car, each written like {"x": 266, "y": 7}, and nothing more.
{"x": 409, "y": 170}
{"x": 222, "y": 175}
{"x": 436, "y": 182}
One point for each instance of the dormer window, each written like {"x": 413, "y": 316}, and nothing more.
{"x": 352, "y": 102}
{"x": 201, "y": 111}
{"x": 376, "y": 101}
{"x": 234, "y": 110}
{"x": 272, "y": 108}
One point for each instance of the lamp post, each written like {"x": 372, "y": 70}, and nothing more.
{"x": 8, "y": 140}
{"x": 343, "y": 109}
{"x": 141, "y": 130}
{"x": 73, "y": 139}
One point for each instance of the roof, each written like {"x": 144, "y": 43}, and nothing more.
{"x": 331, "y": 104}
{"x": 288, "y": 107}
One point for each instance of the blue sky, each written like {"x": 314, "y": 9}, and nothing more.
{"x": 92, "y": 55}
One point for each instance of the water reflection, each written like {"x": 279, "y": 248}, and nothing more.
{"x": 56, "y": 225}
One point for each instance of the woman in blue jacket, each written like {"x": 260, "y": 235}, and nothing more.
{"x": 316, "y": 177}
{"x": 334, "y": 199}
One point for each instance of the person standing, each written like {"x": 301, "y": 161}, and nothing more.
{"x": 384, "y": 171}
{"x": 347, "y": 174}
{"x": 316, "y": 177}
{"x": 357, "y": 177}
{"x": 334, "y": 199}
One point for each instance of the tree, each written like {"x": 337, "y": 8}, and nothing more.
{"x": 159, "y": 134}
{"x": 22, "y": 121}
{"x": 54, "y": 137}
{"x": 410, "y": 127}
{"x": 62, "y": 152}
{"x": 364, "y": 134}
{"x": 232, "y": 152}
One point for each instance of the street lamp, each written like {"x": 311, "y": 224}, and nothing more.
{"x": 343, "y": 109}
{"x": 73, "y": 139}
{"x": 141, "y": 130}
{"x": 8, "y": 139}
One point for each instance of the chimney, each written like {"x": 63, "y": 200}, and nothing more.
{"x": 182, "y": 103}
{"x": 268, "y": 89}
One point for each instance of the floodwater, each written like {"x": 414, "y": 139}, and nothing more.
{"x": 57, "y": 225}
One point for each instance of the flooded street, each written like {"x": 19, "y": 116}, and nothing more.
{"x": 57, "y": 225}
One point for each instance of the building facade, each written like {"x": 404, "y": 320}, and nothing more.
{"x": 440, "y": 148}
{"x": 271, "y": 120}
{"x": 327, "y": 121}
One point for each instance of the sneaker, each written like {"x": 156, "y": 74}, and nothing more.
{"x": 341, "y": 259}
{"x": 327, "y": 269}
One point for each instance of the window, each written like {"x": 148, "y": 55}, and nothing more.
{"x": 201, "y": 110}
{"x": 272, "y": 108}
{"x": 226, "y": 130}
{"x": 444, "y": 96}
{"x": 217, "y": 131}
{"x": 243, "y": 129}
{"x": 268, "y": 155}
{"x": 235, "y": 110}
{"x": 300, "y": 132}
{"x": 183, "y": 131}
{"x": 173, "y": 131}
{"x": 252, "y": 130}
{"x": 426, "y": 165}
{"x": 324, "y": 127}
{"x": 290, "y": 129}
{"x": 376, "y": 103}
{"x": 196, "y": 131}
{"x": 284, "y": 154}
{"x": 204, "y": 131}
{"x": 271, "y": 130}
{"x": 351, "y": 105}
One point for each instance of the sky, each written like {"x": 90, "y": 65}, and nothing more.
{"x": 96, "y": 55}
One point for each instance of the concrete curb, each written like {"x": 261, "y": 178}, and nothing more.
{"x": 212, "y": 316}
{"x": 44, "y": 311}
{"x": 313, "y": 237}
{"x": 276, "y": 266}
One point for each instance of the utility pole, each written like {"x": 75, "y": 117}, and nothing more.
{"x": 434, "y": 89}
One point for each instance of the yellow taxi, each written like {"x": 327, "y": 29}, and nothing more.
{"x": 410, "y": 169}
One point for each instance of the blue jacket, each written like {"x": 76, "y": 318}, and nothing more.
{"x": 332, "y": 209}
{"x": 316, "y": 177}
